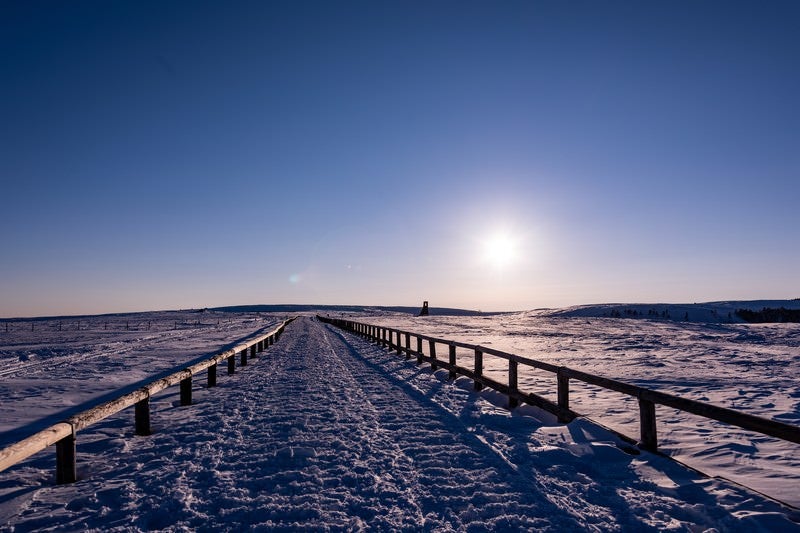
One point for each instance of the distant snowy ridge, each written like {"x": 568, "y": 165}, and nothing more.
{"x": 710, "y": 312}
{"x": 372, "y": 309}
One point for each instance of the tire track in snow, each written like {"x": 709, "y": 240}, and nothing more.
{"x": 454, "y": 461}
{"x": 455, "y": 482}
{"x": 48, "y": 364}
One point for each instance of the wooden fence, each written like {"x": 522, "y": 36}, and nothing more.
{"x": 63, "y": 434}
{"x": 648, "y": 399}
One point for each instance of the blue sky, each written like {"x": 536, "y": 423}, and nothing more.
{"x": 192, "y": 154}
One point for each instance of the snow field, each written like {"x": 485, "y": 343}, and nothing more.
{"x": 326, "y": 431}
{"x": 754, "y": 368}
{"x": 49, "y": 374}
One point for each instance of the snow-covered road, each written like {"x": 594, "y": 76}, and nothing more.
{"x": 325, "y": 431}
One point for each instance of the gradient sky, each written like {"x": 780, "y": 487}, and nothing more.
{"x": 163, "y": 155}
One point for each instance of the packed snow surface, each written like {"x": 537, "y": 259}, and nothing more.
{"x": 326, "y": 431}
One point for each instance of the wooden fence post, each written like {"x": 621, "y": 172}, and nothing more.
{"x": 432, "y": 346}
{"x": 231, "y": 364}
{"x": 243, "y": 358}
{"x": 212, "y": 376}
{"x": 647, "y": 425}
{"x": 452, "y": 361}
{"x": 563, "y": 394}
{"x": 253, "y": 352}
{"x": 399, "y": 344}
{"x": 478, "y": 369}
{"x": 66, "y": 467}
{"x": 419, "y": 350}
{"x": 408, "y": 345}
{"x": 513, "y": 369}
{"x": 141, "y": 417}
{"x": 186, "y": 391}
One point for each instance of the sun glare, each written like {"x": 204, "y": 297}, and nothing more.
{"x": 500, "y": 250}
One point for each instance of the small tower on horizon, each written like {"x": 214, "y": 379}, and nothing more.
{"x": 424, "y": 310}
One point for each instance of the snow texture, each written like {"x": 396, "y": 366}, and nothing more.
{"x": 754, "y": 368}
{"x": 325, "y": 431}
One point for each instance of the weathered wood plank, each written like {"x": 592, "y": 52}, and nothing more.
{"x": 19, "y": 451}
{"x": 104, "y": 410}
{"x": 755, "y": 423}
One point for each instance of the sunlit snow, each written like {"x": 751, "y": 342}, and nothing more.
{"x": 328, "y": 431}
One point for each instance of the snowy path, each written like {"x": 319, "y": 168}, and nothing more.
{"x": 326, "y": 431}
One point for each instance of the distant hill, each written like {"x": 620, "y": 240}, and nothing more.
{"x": 709, "y": 312}
{"x": 374, "y": 309}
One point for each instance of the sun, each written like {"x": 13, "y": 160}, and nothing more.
{"x": 500, "y": 250}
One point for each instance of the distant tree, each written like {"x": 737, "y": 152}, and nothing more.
{"x": 768, "y": 314}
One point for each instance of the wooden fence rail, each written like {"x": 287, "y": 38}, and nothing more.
{"x": 648, "y": 399}
{"x": 63, "y": 434}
